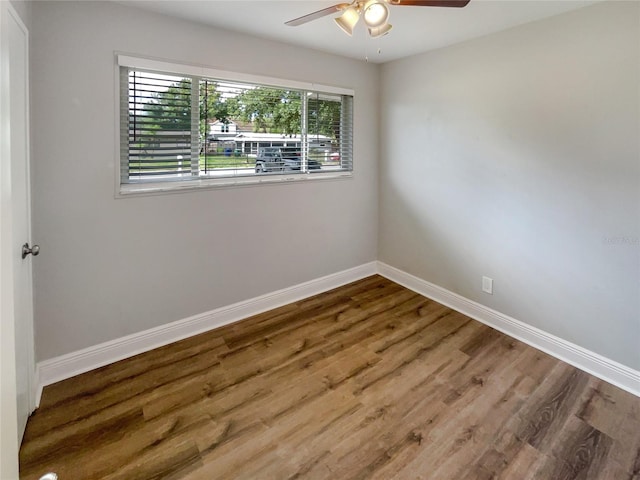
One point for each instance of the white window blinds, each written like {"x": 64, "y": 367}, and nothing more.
{"x": 160, "y": 132}
{"x": 180, "y": 128}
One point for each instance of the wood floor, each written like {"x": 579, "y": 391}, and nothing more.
{"x": 368, "y": 381}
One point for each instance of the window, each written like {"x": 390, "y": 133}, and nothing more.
{"x": 175, "y": 128}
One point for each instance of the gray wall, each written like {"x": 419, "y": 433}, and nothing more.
{"x": 23, "y": 7}
{"x": 514, "y": 156}
{"x": 111, "y": 267}
{"x": 517, "y": 156}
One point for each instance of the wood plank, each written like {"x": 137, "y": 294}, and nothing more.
{"x": 367, "y": 381}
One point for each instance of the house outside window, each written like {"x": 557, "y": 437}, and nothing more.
{"x": 179, "y": 128}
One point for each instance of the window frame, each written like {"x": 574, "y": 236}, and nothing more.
{"x": 169, "y": 67}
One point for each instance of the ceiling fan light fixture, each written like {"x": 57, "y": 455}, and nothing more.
{"x": 375, "y": 32}
{"x": 375, "y": 13}
{"x": 348, "y": 20}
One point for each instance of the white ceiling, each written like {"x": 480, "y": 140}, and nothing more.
{"x": 415, "y": 29}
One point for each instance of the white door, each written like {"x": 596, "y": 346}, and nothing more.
{"x": 9, "y": 436}
{"x": 18, "y": 42}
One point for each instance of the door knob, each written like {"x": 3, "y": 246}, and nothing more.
{"x": 26, "y": 250}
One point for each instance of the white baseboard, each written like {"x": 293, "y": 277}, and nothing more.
{"x": 74, "y": 363}
{"x": 608, "y": 370}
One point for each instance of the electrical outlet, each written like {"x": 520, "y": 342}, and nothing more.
{"x": 487, "y": 285}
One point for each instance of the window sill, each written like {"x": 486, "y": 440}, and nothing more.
{"x": 158, "y": 188}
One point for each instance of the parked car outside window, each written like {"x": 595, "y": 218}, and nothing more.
{"x": 282, "y": 159}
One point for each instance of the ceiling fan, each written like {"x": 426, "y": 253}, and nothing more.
{"x": 375, "y": 13}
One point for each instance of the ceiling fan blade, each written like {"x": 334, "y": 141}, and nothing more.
{"x": 319, "y": 14}
{"x": 430, "y": 3}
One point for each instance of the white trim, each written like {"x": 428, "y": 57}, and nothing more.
{"x": 9, "y": 444}
{"x": 130, "y": 189}
{"x": 75, "y": 363}
{"x": 208, "y": 72}
{"x": 604, "y": 368}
